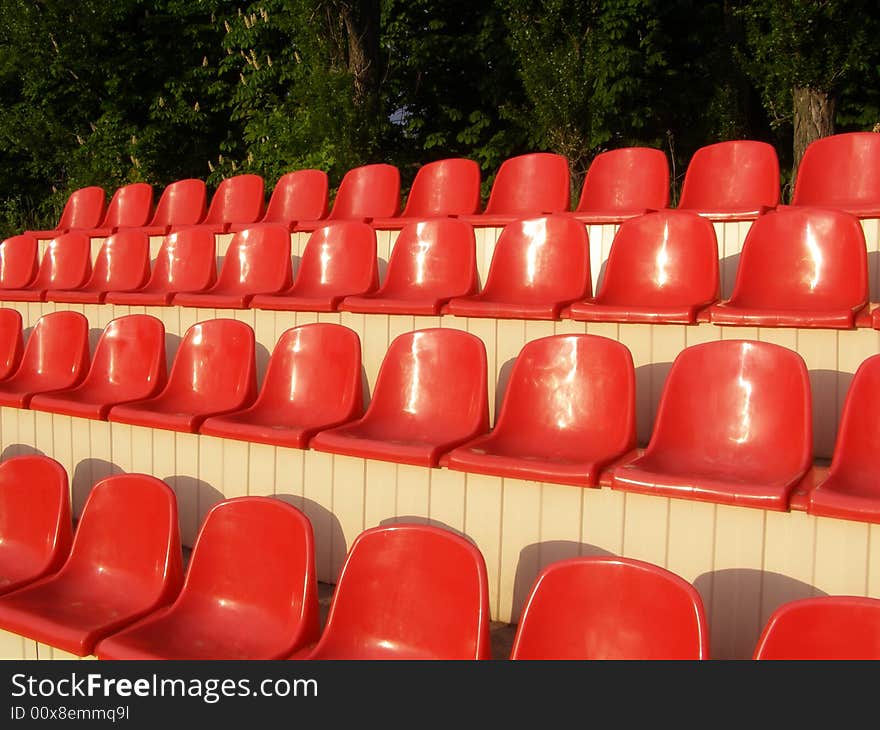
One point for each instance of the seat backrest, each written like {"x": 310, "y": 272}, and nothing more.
{"x": 667, "y": 258}
{"x": 338, "y": 257}
{"x": 840, "y": 171}
{"x": 238, "y": 199}
{"x": 301, "y": 195}
{"x": 369, "y": 191}
{"x": 531, "y": 185}
{"x": 257, "y": 261}
{"x": 732, "y": 175}
{"x": 803, "y": 258}
{"x": 626, "y": 179}
{"x": 825, "y": 627}
{"x": 18, "y": 262}
{"x": 186, "y": 261}
{"x": 11, "y": 341}
{"x": 122, "y": 263}
{"x": 611, "y": 608}
{"x": 444, "y": 187}
{"x": 83, "y": 209}
{"x": 66, "y": 263}
{"x": 182, "y": 203}
{"x": 418, "y": 588}
{"x": 131, "y": 205}
{"x": 58, "y": 347}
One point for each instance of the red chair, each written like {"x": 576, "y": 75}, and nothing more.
{"x": 312, "y": 382}
{"x": 213, "y": 372}
{"x": 250, "y": 591}
{"x": 122, "y": 264}
{"x": 128, "y": 365}
{"x": 18, "y": 262}
{"x": 366, "y": 192}
{"x": 733, "y": 180}
{"x": 125, "y": 563}
{"x": 432, "y": 262}
{"x": 825, "y": 628}
{"x": 525, "y": 187}
{"x": 440, "y": 189}
{"x": 841, "y": 171}
{"x": 568, "y": 412}
{"x": 238, "y": 199}
{"x": 408, "y": 592}
{"x": 182, "y": 203}
{"x": 430, "y": 396}
{"x": 624, "y": 183}
{"x": 734, "y": 426}
{"x": 799, "y": 267}
{"x": 301, "y": 195}
{"x": 256, "y": 262}
{"x": 130, "y": 207}
{"x": 339, "y": 260}
{"x": 187, "y": 262}
{"x": 66, "y": 264}
{"x": 538, "y": 267}
{"x": 11, "y": 342}
{"x": 611, "y": 608}
{"x": 83, "y": 210}
{"x": 35, "y": 523}
{"x": 662, "y": 267}
{"x": 55, "y": 357}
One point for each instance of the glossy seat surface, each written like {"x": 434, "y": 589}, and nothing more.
{"x": 128, "y": 365}
{"x": 366, "y": 192}
{"x": 301, "y": 195}
{"x": 430, "y": 396}
{"x": 662, "y": 267}
{"x": 35, "y": 523}
{"x": 339, "y": 260}
{"x": 213, "y": 372}
{"x": 238, "y": 199}
{"x": 408, "y": 592}
{"x": 432, "y": 262}
{"x": 825, "y": 627}
{"x": 56, "y": 356}
{"x": 182, "y": 203}
{"x": 734, "y": 426}
{"x": 568, "y": 411}
{"x": 250, "y": 591}
{"x": 19, "y": 262}
{"x": 538, "y": 267}
{"x": 256, "y": 262}
{"x": 125, "y": 562}
{"x": 11, "y": 341}
{"x": 66, "y": 264}
{"x": 130, "y": 207}
{"x": 799, "y": 267}
{"x": 732, "y": 180}
{"x": 84, "y": 209}
{"x": 312, "y": 382}
{"x": 592, "y": 608}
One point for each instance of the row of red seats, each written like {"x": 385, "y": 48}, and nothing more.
{"x": 743, "y": 437}
{"x": 728, "y": 180}
{"x": 117, "y": 589}
{"x": 803, "y": 267}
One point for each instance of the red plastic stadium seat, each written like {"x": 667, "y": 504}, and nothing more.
{"x": 213, "y": 372}
{"x": 55, "y": 357}
{"x": 569, "y": 411}
{"x": 66, "y": 264}
{"x": 256, "y": 262}
{"x": 525, "y": 187}
{"x": 339, "y": 260}
{"x": 733, "y": 180}
{"x": 312, "y": 382}
{"x": 84, "y": 209}
{"x": 125, "y": 563}
{"x": 18, "y": 262}
{"x": 370, "y": 191}
{"x": 799, "y": 267}
{"x": 851, "y": 489}
{"x": 186, "y": 262}
{"x": 238, "y": 199}
{"x": 182, "y": 203}
{"x": 611, "y": 608}
{"x": 624, "y": 183}
{"x": 408, "y": 592}
{"x": 301, "y": 195}
{"x": 128, "y": 365}
{"x": 35, "y": 525}
{"x": 432, "y": 261}
{"x": 538, "y": 267}
{"x": 130, "y": 207}
{"x": 734, "y": 426}
{"x": 250, "y": 591}
{"x": 841, "y": 171}
{"x": 430, "y": 396}
{"x": 442, "y": 188}
{"x": 823, "y": 628}
{"x": 662, "y": 267}
{"x": 122, "y": 264}
{"x": 11, "y": 342}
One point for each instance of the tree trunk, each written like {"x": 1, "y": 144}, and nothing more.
{"x": 814, "y": 113}
{"x": 361, "y": 21}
